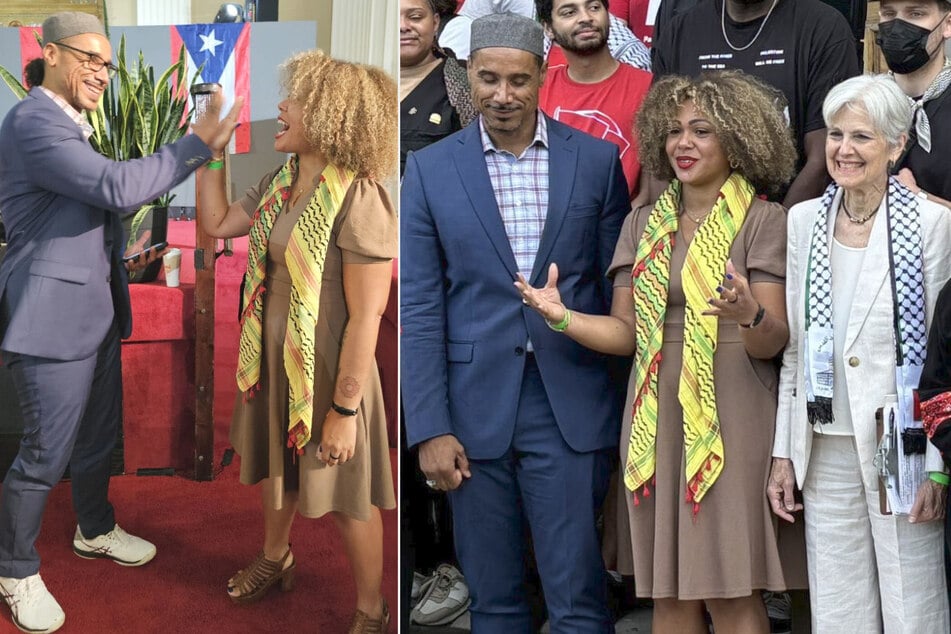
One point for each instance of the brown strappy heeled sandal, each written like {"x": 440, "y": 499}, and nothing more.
{"x": 255, "y": 580}
{"x": 363, "y": 624}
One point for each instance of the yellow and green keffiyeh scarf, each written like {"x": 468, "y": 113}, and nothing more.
{"x": 702, "y": 273}
{"x": 305, "y": 255}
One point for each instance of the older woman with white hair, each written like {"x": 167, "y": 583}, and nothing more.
{"x": 865, "y": 264}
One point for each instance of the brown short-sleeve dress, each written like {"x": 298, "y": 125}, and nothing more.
{"x": 364, "y": 231}
{"x": 729, "y": 549}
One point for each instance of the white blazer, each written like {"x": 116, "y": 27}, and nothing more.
{"x": 869, "y": 351}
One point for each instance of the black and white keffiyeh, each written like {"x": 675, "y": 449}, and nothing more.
{"x": 907, "y": 283}
{"x": 625, "y": 47}
{"x": 935, "y": 90}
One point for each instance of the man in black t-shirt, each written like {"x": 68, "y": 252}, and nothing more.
{"x": 800, "y": 47}
{"x": 912, "y": 36}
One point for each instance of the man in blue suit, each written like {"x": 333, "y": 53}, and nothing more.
{"x": 64, "y": 301}
{"x": 514, "y": 419}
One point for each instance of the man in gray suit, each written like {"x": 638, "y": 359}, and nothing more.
{"x": 64, "y": 301}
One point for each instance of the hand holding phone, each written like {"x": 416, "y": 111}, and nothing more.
{"x": 135, "y": 256}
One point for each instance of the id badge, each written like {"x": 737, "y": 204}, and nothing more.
{"x": 820, "y": 350}
{"x": 906, "y": 379}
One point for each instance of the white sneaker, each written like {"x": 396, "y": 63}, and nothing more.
{"x": 445, "y": 600}
{"x": 421, "y": 584}
{"x": 34, "y": 608}
{"x": 117, "y": 545}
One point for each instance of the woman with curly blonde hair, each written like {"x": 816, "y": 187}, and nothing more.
{"x": 309, "y": 423}
{"x": 699, "y": 303}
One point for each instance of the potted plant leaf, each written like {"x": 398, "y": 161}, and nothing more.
{"x": 136, "y": 116}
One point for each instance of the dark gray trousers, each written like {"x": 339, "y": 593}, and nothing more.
{"x": 71, "y": 416}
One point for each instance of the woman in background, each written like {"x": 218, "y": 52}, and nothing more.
{"x": 309, "y": 422}
{"x": 434, "y": 89}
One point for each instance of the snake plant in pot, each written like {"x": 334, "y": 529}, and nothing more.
{"x": 136, "y": 116}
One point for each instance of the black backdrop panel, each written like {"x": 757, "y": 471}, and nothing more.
{"x": 267, "y": 11}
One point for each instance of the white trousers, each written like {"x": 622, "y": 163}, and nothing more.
{"x": 867, "y": 570}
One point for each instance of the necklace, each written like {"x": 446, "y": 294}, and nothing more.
{"x": 298, "y": 188}
{"x": 755, "y": 37}
{"x": 857, "y": 220}
{"x": 696, "y": 221}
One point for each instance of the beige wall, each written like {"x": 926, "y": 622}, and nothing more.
{"x": 123, "y": 13}
{"x": 204, "y": 10}
{"x": 319, "y": 10}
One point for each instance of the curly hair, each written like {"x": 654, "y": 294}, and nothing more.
{"x": 748, "y": 121}
{"x": 350, "y": 111}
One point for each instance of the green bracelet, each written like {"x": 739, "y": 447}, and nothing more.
{"x": 217, "y": 164}
{"x": 562, "y": 325}
{"x": 940, "y": 478}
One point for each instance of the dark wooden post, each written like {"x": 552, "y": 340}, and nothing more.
{"x": 204, "y": 347}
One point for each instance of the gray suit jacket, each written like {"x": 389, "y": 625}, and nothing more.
{"x": 62, "y": 280}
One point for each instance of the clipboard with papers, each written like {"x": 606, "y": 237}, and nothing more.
{"x": 899, "y": 460}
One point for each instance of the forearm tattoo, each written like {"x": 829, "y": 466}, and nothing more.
{"x": 349, "y": 386}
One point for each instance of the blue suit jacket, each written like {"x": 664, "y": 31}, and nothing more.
{"x": 59, "y": 200}
{"x": 464, "y": 327}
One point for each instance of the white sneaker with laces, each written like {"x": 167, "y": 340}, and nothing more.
{"x": 445, "y": 600}
{"x": 421, "y": 584}
{"x": 34, "y": 608}
{"x": 117, "y": 545}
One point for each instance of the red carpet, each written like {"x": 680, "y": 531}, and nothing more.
{"x": 204, "y": 531}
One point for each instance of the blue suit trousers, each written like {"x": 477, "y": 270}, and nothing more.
{"x": 558, "y": 492}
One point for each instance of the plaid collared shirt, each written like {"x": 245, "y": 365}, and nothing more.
{"x": 71, "y": 112}
{"x": 521, "y": 191}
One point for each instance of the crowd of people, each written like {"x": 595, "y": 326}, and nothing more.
{"x": 663, "y": 350}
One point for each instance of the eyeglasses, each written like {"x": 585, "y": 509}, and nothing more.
{"x": 93, "y": 62}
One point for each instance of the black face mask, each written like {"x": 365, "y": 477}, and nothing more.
{"x": 904, "y": 45}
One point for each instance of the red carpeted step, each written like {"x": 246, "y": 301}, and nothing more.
{"x": 205, "y": 532}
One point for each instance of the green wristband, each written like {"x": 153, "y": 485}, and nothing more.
{"x": 217, "y": 164}
{"x": 562, "y": 325}
{"x": 939, "y": 477}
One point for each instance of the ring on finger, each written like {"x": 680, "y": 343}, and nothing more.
{"x": 432, "y": 484}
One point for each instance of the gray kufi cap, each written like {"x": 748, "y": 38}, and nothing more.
{"x": 59, "y": 26}
{"x": 507, "y": 30}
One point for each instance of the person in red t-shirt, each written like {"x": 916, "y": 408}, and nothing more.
{"x": 639, "y": 15}
{"x": 593, "y": 92}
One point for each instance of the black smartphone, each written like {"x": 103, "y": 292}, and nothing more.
{"x": 156, "y": 247}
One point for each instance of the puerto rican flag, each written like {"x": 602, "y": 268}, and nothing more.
{"x": 223, "y": 49}
{"x": 29, "y": 47}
